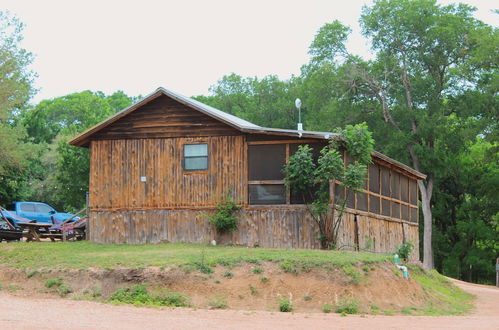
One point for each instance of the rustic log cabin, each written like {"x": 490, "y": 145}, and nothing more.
{"x": 157, "y": 167}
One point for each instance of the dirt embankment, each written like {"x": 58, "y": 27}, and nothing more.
{"x": 377, "y": 288}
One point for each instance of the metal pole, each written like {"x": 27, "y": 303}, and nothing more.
{"x": 497, "y": 272}
{"x": 87, "y": 227}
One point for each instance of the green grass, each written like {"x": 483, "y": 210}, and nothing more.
{"x": 451, "y": 299}
{"x": 82, "y": 255}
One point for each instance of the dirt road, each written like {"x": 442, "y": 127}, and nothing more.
{"x": 34, "y": 313}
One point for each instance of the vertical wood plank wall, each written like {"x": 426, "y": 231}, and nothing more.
{"x": 267, "y": 227}
{"x": 118, "y": 165}
{"x": 170, "y": 205}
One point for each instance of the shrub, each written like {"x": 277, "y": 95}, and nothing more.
{"x": 253, "y": 290}
{"x": 224, "y": 219}
{"x": 53, "y": 282}
{"x": 285, "y": 305}
{"x": 32, "y": 273}
{"x": 289, "y": 267}
{"x": 264, "y": 279}
{"x": 228, "y": 274}
{"x": 307, "y": 298}
{"x": 405, "y": 250}
{"x": 347, "y": 306}
{"x": 218, "y": 302}
{"x": 257, "y": 270}
{"x": 351, "y": 271}
{"x": 63, "y": 290}
{"x": 138, "y": 295}
{"x": 326, "y": 308}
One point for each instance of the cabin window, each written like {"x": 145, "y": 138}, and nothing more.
{"x": 267, "y": 194}
{"x": 266, "y": 180}
{"x": 195, "y": 157}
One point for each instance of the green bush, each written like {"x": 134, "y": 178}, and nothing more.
{"x": 289, "y": 267}
{"x": 405, "y": 250}
{"x": 63, "y": 290}
{"x": 347, "y": 306}
{"x": 285, "y": 305}
{"x": 138, "y": 295}
{"x": 351, "y": 271}
{"x": 257, "y": 270}
{"x": 224, "y": 219}
{"x": 218, "y": 302}
{"x": 326, "y": 308}
{"x": 53, "y": 282}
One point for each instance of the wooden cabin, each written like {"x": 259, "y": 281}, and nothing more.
{"x": 157, "y": 167}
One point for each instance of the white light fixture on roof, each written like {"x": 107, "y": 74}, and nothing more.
{"x": 300, "y": 125}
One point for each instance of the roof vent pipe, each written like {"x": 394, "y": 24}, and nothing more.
{"x": 300, "y": 125}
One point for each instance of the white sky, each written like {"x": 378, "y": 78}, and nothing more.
{"x": 185, "y": 46}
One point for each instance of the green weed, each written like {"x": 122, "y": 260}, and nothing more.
{"x": 347, "y": 305}
{"x": 32, "y": 273}
{"x": 285, "y": 305}
{"x": 257, "y": 270}
{"x": 218, "y": 302}
{"x": 326, "y": 308}
{"x": 353, "y": 273}
{"x": 139, "y": 295}
{"x": 53, "y": 282}
{"x": 253, "y": 290}
{"x": 289, "y": 267}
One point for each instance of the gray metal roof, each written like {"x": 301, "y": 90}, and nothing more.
{"x": 226, "y": 117}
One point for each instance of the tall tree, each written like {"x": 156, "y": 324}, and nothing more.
{"x": 16, "y": 88}
{"x": 424, "y": 55}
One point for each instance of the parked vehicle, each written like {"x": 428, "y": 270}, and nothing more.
{"x": 40, "y": 212}
{"x": 8, "y": 232}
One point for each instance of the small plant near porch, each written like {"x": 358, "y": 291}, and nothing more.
{"x": 311, "y": 179}
{"x": 225, "y": 217}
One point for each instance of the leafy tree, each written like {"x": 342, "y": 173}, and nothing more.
{"x": 268, "y": 102}
{"x": 16, "y": 88}
{"x": 306, "y": 177}
{"x": 423, "y": 51}
{"x": 467, "y": 214}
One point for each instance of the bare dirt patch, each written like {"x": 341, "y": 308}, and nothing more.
{"x": 247, "y": 287}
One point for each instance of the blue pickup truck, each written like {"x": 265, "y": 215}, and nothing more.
{"x": 41, "y": 212}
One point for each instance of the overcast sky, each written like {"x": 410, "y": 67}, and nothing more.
{"x": 185, "y": 46}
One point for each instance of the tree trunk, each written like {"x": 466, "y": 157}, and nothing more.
{"x": 426, "y": 194}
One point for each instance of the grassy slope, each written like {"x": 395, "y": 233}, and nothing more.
{"x": 451, "y": 299}
{"x": 78, "y": 255}
{"x": 444, "y": 297}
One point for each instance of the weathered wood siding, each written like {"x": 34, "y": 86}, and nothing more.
{"x": 267, "y": 227}
{"x": 164, "y": 117}
{"x": 117, "y": 166}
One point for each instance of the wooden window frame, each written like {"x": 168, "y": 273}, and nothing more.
{"x": 184, "y": 157}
